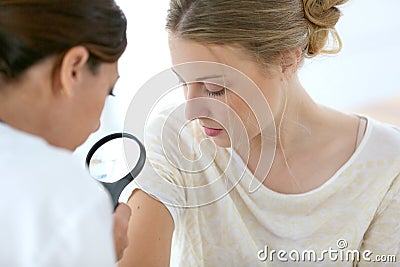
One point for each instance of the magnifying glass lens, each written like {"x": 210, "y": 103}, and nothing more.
{"x": 108, "y": 162}
{"x": 115, "y": 161}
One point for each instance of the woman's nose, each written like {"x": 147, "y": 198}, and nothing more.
{"x": 196, "y": 104}
{"x": 192, "y": 91}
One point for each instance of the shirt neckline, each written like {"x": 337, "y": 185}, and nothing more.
{"x": 249, "y": 175}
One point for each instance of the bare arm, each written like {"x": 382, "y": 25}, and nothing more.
{"x": 150, "y": 233}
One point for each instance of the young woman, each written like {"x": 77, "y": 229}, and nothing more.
{"x": 58, "y": 63}
{"x": 331, "y": 193}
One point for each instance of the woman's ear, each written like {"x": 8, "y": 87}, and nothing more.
{"x": 290, "y": 62}
{"x": 72, "y": 69}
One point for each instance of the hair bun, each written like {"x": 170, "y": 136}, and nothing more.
{"x": 322, "y": 16}
{"x": 323, "y": 13}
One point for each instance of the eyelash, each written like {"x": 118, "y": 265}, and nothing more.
{"x": 111, "y": 92}
{"x": 215, "y": 94}
{"x": 210, "y": 93}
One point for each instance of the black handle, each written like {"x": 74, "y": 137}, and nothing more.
{"x": 115, "y": 189}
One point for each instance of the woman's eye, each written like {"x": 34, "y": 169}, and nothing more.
{"x": 214, "y": 90}
{"x": 217, "y": 93}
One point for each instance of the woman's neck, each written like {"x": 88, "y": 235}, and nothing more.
{"x": 23, "y": 102}
{"x": 296, "y": 120}
{"x": 307, "y": 136}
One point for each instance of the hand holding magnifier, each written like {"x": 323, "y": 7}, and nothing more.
{"x": 115, "y": 160}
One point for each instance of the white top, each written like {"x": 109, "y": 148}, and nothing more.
{"x": 356, "y": 209}
{"x": 52, "y": 212}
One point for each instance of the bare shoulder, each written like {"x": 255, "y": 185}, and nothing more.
{"x": 150, "y": 232}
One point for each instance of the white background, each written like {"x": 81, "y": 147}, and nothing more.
{"x": 365, "y": 71}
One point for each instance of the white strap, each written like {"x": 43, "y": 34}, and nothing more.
{"x": 361, "y": 130}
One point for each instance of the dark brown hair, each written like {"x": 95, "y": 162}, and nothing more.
{"x": 32, "y": 30}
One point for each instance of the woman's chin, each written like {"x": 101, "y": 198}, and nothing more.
{"x": 222, "y": 142}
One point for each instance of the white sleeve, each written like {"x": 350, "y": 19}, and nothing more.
{"x": 382, "y": 239}
{"x": 160, "y": 178}
{"x": 159, "y": 184}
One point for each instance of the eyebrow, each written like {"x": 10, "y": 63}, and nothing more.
{"x": 209, "y": 77}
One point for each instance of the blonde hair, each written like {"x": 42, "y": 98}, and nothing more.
{"x": 263, "y": 28}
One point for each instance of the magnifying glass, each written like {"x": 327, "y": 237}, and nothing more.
{"x": 115, "y": 160}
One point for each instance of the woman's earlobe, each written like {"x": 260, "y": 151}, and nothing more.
{"x": 290, "y": 62}
{"x": 63, "y": 92}
{"x": 288, "y": 68}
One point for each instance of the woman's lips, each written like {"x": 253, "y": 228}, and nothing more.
{"x": 212, "y": 132}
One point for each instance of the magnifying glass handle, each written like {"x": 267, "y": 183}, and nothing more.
{"x": 115, "y": 189}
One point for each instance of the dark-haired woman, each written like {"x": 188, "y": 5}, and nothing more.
{"x": 58, "y": 63}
